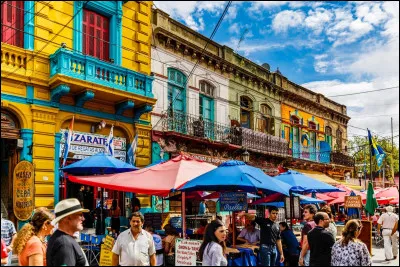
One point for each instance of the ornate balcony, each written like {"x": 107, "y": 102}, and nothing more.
{"x": 309, "y": 153}
{"x": 264, "y": 143}
{"x": 342, "y": 159}
{"x": 89, "y": 69}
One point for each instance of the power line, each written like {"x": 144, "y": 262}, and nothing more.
{"x": 377, "y": 90}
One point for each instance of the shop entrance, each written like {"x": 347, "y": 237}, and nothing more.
{"x": 9, "y": 157}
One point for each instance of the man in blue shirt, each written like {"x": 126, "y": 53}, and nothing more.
{"x": 290, "y": 245}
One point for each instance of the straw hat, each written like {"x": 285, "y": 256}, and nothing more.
{"x": 67, "y": 207}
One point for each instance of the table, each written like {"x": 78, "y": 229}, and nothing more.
{"x": 246, "y": 258}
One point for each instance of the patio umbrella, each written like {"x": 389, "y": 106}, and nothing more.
{"x": 280, "y": 198}
{"x": 99, "y": 163}
{"x": 388, "y": 192}
{"x": 353, "y": 213}
{"x": 157, "y": 180}
{"x": 236, "y": 175}
{"x": 155, "y": 163}
{"x": 324, "y": 197}
{"x": 371, "y": 204}
{"x": 302, "y": 183}
{"x": 195, "y": 195}
{"x": 216, "y": 195}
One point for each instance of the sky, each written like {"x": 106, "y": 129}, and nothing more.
{"x": 333, "y": 48}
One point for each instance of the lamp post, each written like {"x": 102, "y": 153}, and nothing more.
{"x": 246, "y": 156}
{"x": 360, "y": 175}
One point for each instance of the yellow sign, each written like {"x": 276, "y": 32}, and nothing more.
{"x": 23, "y": 185}
{"x": 352, "y": 202}
{"x": 105, "y": 256}
{"x": 108, "y": 242}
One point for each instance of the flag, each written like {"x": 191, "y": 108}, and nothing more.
{"x": 371, "y": 203}
{"x": 132, "y": 151}
{"x": 376, "y": 151}
{"x": 110, "y": 143}
{"x": 68, "y": 138}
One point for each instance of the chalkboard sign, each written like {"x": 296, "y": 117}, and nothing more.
{"x": 153, "y": 219}
{"x": 233, "y": 201}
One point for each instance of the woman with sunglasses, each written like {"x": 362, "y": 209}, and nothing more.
{"x": 350, "y": 251}
{"x": 212, "y": 250}
{"x": 30, "y": 244}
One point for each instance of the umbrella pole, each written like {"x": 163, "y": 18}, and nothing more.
{"x": 234, "y": 229}
{"x": 102, "y": 230}
{"x": 183, "y": 214}
{"x": 291, "y": 209}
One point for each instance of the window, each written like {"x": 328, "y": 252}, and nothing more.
{"x": 339, "y": 139}
{"x": 176, "y": 90}
{"x": 266, "y": 123}
{"x": 328, "y": 135}
{"x": 246, "y": 106}
{"x": 96, "y": 35}
{"x": 312, "y": 126}
{"x": 12, "y": 20}
{"x": 294, "y": 120}
{"x": 207, "y": 88}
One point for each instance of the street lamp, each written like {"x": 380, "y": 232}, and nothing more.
{"x": 360, "y": 175}
{"x": 246, "y": 156}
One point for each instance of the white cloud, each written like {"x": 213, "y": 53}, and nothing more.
{"x": 234, "y": 28}
{"x": 287, "y": 19}
{"x": 321, "y": 63}
{"x": 317, "y": 19}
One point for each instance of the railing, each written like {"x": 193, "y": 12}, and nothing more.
{"x": 91, "y": 69}
{"x": 310, "y": 153}
{"x": 342, "y": 159}
{"x": 264, "y": 143}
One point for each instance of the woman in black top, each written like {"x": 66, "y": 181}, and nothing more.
{"x": 115, "y": 212}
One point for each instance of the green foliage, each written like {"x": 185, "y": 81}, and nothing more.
{"x": 360, "y": 151}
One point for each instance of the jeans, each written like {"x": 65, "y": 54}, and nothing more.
{"x": 268, "y": 255}
{"x": 307, "y": 258}
{"x": 9, "y": 259}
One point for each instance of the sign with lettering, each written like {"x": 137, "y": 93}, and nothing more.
{"x": 105, "y": 256}
{"x": 108, "y": 242}
{"x": 87, "y": 144}
{"x": 186, "y": 251}
{"x": 353, "y": 202}
{"x": 233, "y": 201}
{"x": 23, "y": 185}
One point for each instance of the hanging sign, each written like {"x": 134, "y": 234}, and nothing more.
{"x": 233, "y": 201}
{"x": 353, "y": 202}
{"x": 23, "y": 184}
{"x": 186, "y": 251}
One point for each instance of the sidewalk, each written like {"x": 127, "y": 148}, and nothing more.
{"x": 378, "y": 258}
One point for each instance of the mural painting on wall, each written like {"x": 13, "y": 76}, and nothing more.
{"x": 23, "y": 190}
{"x": 86, "y": 144}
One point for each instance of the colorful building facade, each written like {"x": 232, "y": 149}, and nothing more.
{"x": 84, "y": 59}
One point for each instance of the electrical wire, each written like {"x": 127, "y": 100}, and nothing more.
{"x": 358, "y": 93}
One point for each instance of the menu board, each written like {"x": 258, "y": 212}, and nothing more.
{"x": 186, "y": 251}
{"x": 296, "y": 207}
{"x": 153, "y": 219}
{"x": 233, "y": 201}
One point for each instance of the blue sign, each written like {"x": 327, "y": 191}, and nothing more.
{"x": 233, "y": 201}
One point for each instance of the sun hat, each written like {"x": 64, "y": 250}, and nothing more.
{"x": 67, "y": 207}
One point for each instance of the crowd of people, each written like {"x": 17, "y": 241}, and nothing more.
{"x": 51, "y": 239}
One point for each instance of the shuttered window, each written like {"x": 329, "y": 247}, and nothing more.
{"x": 96, "y": 35}
{"x": 12, "y": 23}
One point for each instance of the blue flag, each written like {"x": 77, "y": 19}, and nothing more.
{"x": 132, "y": 151}
{"x": 376, "y": 151}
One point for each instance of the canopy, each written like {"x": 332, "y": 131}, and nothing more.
{"x": 301, "y": 183}
{"x": 318, "y": 176}
{"x": 388, "y": 192}
{"x": 195, "y": 195}
{"x": 157, "y": 180}
{"x": 303, "y": 201}
{"x": 99, "y": 163}
{"x": 324, "y": 197}
{"x": 236, "y": 175}
{"x": 155, "y": 163}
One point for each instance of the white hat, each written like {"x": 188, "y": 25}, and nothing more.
{"x": 389, "y": 209}
{"x": 67, "y": 207}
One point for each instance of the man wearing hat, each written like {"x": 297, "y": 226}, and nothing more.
{"x": 62, "y": 248}
{"x": 389, "y": 223}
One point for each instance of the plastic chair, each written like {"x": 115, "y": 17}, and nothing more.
{"x": 95, "y": 243}
{"x": 86, "y": 245}
{"x": 107, "y": 222}
{"x": 124, "y": 223}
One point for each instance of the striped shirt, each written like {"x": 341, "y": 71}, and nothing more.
{"x": 7, "y": 231}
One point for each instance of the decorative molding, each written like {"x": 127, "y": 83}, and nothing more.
{"x": 83, "y": 97}
{"x": 59, "y": 92}
{"x": 141, "y": 110}
{"x": 121, "y": 107}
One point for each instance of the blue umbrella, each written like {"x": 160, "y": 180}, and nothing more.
{"x": 99, "y": 163}
{"x": 301, "y": 183}
{"x": 236, "y": 175}
{"x": 303, "y": 201}
{"x": 353, "y": 213}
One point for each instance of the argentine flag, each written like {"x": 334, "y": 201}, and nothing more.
{"x": 68, "y": 138}
{"x": 110, "y": 144}
{"x": 132, "y": 151}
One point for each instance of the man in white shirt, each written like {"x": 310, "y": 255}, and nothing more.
{"x": 250, "y": 235}
{"x": 135, "y": 246}
{"x": 389, "y": 222}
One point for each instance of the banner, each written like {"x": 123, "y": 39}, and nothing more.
{"x": 233, "y": 201}
{"x": 186, "y": 251}
{"x": 353, "y": 202}
{"x": 23, "y": 185}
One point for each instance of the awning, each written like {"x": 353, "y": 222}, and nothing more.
{"x": 319, "y": 176}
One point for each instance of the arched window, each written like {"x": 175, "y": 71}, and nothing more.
{"x": 246, "y": 108}
{"x": 206, "y": 101}
{"x": 339, "y": 139}
{"x": 328, "y": 135}
{"x": 312, "y": 125}
{"x": 266, "y": 123}
{"x": 294, "y": 120}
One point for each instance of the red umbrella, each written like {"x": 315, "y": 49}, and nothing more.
{"x": 157, "y": 180}
{"x": 323, "y": 197}
{"x": 388, "y": 192}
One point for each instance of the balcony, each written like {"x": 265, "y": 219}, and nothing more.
{"x": 342, "y": 159}
{"x": 198, "y": 127}
{"x": 264, "y": 143}
{"x": 309, "y": 153}
{"x": 91, "y": 70}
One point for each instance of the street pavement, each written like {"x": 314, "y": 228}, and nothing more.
{"x": 378, "y": 258}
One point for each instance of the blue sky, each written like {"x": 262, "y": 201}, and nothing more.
{"x": 333, "y": 48}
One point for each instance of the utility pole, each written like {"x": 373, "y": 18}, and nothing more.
{"x": 391, "y": 126}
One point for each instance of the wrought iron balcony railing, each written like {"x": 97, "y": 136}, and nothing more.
{"x": 264, "y": 143}
{"x": 342, "y": 159}
{"x": 91, "y": 69}
{"x": 310, "y": 153}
